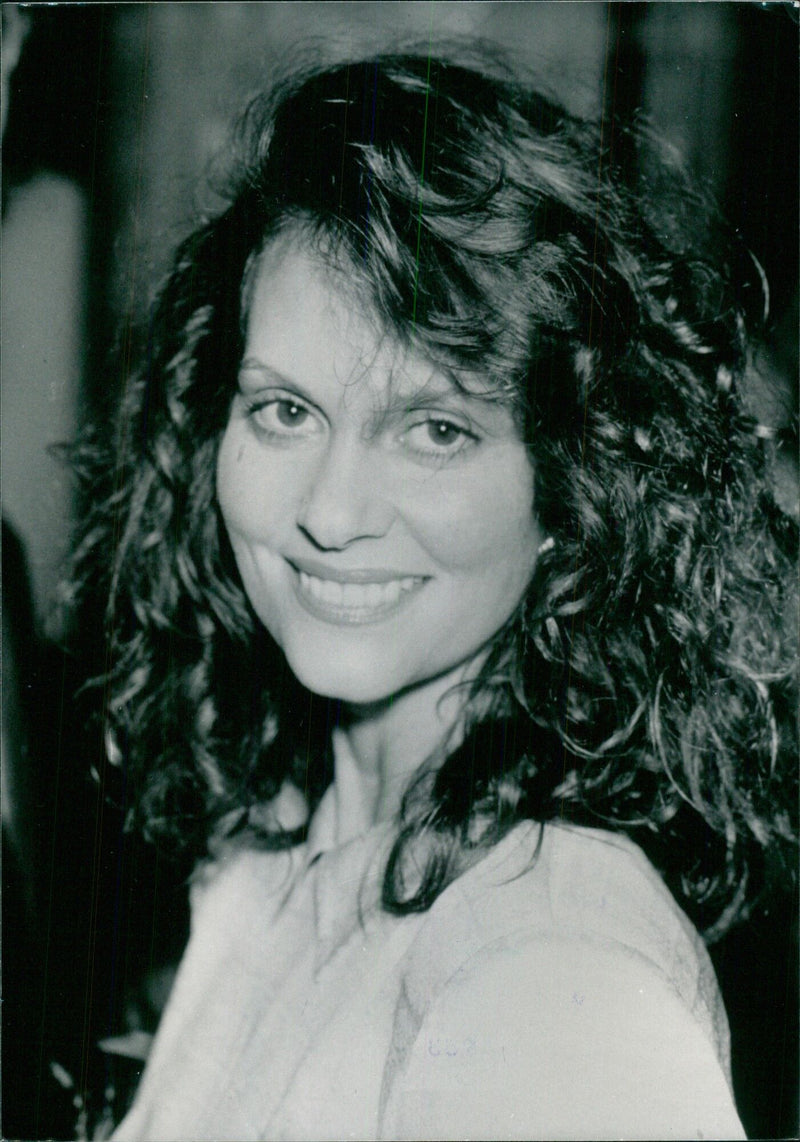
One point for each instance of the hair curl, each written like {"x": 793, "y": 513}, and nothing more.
{"x": 645, "y": 682}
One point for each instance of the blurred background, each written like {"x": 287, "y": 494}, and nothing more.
{"x": 118, "y": 116}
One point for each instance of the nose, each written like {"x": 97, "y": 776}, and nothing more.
{"x": 345, "y": 499}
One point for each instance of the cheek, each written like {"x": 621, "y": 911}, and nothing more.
{"x": 484, "y": 523}
{"x": 249, "y": 491}
{"x": 229, "y": 476}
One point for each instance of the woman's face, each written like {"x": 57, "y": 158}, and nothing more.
{"x": 382, "y": 521}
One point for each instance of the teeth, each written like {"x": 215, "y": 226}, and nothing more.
{"x": 365, "y": 595}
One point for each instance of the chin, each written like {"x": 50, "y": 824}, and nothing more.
{"x": 351, "y": 691}
{"x": 361, "y": 683}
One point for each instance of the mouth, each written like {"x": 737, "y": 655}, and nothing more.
{"x": 353, "y": 603}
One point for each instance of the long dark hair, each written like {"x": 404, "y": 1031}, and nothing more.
{"x": 645, "y": 682}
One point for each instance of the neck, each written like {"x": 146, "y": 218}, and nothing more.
{"x": 379, "y": 747}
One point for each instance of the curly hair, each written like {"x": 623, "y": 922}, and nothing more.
{"x": 645, "y": 682}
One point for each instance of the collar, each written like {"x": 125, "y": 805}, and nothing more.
{"x": 346, "y": 876}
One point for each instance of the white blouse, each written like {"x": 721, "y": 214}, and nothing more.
{"x": 557, "y": 994}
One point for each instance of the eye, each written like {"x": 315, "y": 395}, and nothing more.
{"x": 284, "y": 417}
{"x": 289, "y": 413}
{"x": 438, "y": 437}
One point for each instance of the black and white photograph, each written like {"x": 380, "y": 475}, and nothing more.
{"x": 400, "y": 570}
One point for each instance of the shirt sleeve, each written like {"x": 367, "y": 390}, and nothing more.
{"x": 560, "y": 1039}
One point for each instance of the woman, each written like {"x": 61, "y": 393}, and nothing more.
{"x": 445, "y": 581}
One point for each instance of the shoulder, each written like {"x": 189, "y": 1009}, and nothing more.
{"x": 240, "y": 885}
{"x": 561, "y": 885}
{"x": 569, "y": 999}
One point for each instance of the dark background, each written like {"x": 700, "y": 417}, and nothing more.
{"x": 117, "y": 113}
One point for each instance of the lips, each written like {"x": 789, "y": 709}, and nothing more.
{"x": 357, "y": 596}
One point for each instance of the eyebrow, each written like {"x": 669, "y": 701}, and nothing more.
{"x": 440, "y": 386}
{"x": 425, "y": 397}
{"x": 399, "y": 398}
{"x": 253, "y": 365}
{"x": 271, "y": 376}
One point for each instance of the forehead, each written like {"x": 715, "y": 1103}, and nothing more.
{"x": 307, "y": 315}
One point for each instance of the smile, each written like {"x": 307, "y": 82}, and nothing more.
{"x": 353, "y": 602}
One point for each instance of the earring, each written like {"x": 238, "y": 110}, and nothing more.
{"x": 546, "y": 545}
